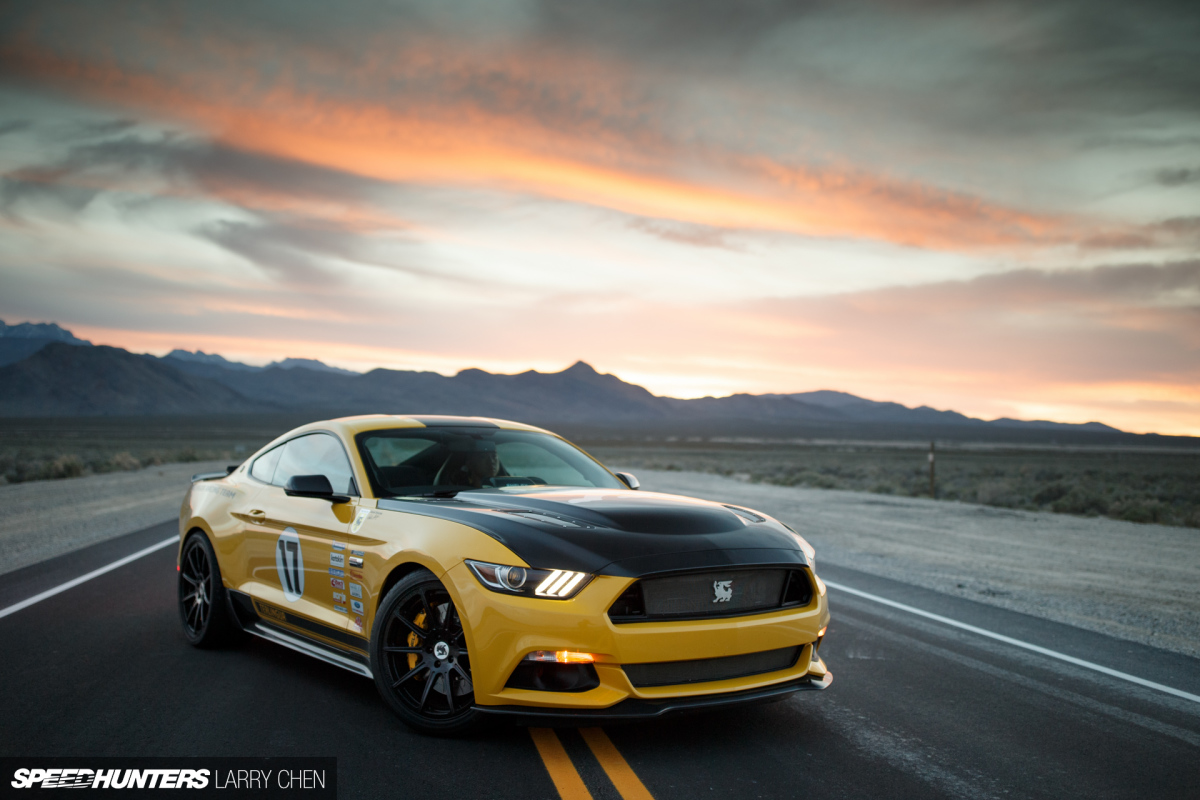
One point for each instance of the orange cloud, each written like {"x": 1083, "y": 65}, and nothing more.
{"x": 428, "y": 140}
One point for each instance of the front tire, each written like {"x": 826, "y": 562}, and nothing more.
{"x": 203, "y": 608}
{"x": 419, "y": 658}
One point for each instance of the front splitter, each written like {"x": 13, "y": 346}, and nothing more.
{"x": 636, "y": 708}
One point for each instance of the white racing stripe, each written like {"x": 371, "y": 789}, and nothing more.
{"x": 1079, "y": 662}
{"x": 71, "y": 584}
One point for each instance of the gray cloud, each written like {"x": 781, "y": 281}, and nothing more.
{"x": 24, "y": 194}
{"x": 1180, "y": 176}
{"x": 215, "y": 166}
{"x": 15, "y": 126}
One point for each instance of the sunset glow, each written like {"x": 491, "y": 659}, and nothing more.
{"x": 757, "y": 201}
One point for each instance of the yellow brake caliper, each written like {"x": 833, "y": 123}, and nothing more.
{"x": 415, "y": 641}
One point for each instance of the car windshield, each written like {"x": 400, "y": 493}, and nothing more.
{"x": 445, "y": 460}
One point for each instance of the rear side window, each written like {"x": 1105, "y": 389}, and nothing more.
{"x": 264, "y": 465}
{"x": 316, "y": 454}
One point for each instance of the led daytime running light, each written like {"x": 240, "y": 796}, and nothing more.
{"x": 559, "y": 583}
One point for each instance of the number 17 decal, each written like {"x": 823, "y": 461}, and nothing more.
{"x": 289, "y": 563}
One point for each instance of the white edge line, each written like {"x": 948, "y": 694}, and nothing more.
{"x": 71, "y": 584}
{"x": 1079, "y": 662}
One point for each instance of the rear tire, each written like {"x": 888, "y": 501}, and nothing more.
{"x": 203, "y": 605}
{"x": 419, "y": 658}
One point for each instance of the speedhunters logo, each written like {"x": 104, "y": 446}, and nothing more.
{"x": 227, "y": 777}
{"x": 110, "y": 779}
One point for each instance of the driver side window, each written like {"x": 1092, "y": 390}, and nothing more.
{"x": 316, "y": 454}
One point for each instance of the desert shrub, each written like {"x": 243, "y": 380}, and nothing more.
{"x": 1080, "y": 501}
{"x": 124, "y": 462}
{"x": 68, "y": 466}
{"x": 996, "y": 493}
{"x": 1049, "y": 494}
{"x": 1137, "y": 511}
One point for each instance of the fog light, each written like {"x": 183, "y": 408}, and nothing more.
{"x": 817, "y": 643}
{"x": 561, "y": 657}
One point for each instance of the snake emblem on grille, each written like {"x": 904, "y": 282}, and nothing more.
{"x": 723, "y": 591}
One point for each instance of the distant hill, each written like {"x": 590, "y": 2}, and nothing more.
{"x": 18, "y": 342}
{"x": 310, "y": 363}
{"x": 39, "y": 330}
{"x": 187, "y": 361}
{"x": 67, "y": 380}
{"x": 201, "y": 363}
{"x": 61, "y": 379}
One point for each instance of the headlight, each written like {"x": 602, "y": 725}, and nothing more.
{"x": 551, "y": 584}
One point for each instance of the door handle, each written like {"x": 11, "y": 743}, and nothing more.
{"x": 257, "y": 515}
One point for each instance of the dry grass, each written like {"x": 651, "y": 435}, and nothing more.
{"x": 1137, "y": 486}
{"x": 1134, "y": 485}
{"x": 41, "y": 449}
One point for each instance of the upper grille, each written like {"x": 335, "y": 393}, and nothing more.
{"x": 672, "y": 673}
{"x": 712, "y": 593}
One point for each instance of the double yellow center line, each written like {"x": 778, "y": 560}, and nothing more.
{"x": 566, "y": 778}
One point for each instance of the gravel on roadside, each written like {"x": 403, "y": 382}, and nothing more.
{"x": 44, "y": 519}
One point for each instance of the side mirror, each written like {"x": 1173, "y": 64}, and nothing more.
{"x": 628, "y": 479}
{"x": 317, "y": 486}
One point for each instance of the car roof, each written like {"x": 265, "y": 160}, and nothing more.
{"x": 349, "y": 427}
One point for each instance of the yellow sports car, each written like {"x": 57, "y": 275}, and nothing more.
{"x": 476, "y": 567}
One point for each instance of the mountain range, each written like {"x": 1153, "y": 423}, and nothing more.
{"x": 45, "y": 371}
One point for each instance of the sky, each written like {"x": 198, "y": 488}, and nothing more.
{"x": 992, "y": 207}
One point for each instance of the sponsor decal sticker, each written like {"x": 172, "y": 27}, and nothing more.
{"x": 341, "y": 609}
{"x": 339, "y": 545}
{"x": 358, "y": 623}
{"x": 357, "y": 605}
{"x": 359, "y": 519}
{"x": 264, "y": 610}
{"x": 337, "y": 583}
{"x": 289, "y": 564}
{"x": 221, "y": 490}
{"x": 339, "y": 597}
{"x": 336, "y": 571}
{"x": 355, "y": 561}
{"x": 356, "y": 575}
{"x": 356, "y": 590}
{"x": 357, "y": 553}
{"x": 337, "y": 559}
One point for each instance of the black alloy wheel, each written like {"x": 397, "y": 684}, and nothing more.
{"x": 419, "y": 657}
{"x": 202, "y": 607}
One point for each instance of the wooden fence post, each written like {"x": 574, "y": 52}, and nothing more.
{"x": 932, "y": 485}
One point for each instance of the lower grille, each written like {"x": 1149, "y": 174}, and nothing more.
{"x": 672, "y": 673}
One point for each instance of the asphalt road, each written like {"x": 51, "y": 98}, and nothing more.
{"x": 917, "y": 708}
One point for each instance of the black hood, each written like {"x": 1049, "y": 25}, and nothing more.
{"x": 615, "y": 532}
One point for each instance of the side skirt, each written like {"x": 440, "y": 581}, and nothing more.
{"x": 245, "y": 608}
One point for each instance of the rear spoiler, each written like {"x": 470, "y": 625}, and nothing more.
{"x": 212, "y": 476}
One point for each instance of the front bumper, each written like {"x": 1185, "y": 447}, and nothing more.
{"x": 503, "y": 628}
{"x": 636, "y": 708}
